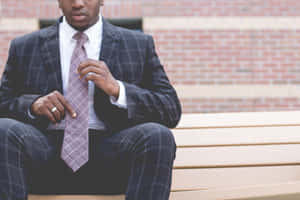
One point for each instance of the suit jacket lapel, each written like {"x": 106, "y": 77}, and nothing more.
{"x": 109, "y": 43}
{"x": 51, "y": 56}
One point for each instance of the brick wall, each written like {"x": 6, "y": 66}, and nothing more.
{"x": 119, "y": 8}
{"x": 212, "y": 57}
{"x": 230, "y": 57}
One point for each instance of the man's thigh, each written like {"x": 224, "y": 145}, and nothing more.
{"x": 32, "y": 143}
{"x": 110, "y": 161}
{"x": 24, "y": 149}
{"x": 126, "y": 140}
{"x": 111, "y": 157}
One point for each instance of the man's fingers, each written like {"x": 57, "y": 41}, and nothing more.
{"x": 66, "y": 104}
{"x": 52, "y": 106}
{"x": 49, "y": 115}
{"x": 92, "y": 77}
{"x": 83, "y": 65}
{"x": 90, "y": 70}
{"x": 54, "y": 114}
{"x": 88, "y": 63}
{"x": 60, "y": 110}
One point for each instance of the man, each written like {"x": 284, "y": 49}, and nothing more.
{"x": 85, "y": 108}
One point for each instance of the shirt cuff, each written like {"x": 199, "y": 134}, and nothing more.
{"x": 30, "y": 115}
{"x": 121, "y": 102}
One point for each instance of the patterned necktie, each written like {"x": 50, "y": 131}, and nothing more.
{"x": 75, "y": 150}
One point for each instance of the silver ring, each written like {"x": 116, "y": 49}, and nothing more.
{"x": 53, "y": 109}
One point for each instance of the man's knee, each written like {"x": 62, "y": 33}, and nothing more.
{"x": 158, "y": 135}
{"x": 18, "y": 136}
{"x": 13, "y": 130}
{"x": 9, "y": 126}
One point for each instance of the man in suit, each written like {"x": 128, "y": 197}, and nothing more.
{"x": 130, "y": 102}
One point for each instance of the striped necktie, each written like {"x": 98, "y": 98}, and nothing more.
{"x": 75, "y": 149}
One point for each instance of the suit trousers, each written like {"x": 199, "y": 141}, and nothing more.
{"x": 136, "y": 161}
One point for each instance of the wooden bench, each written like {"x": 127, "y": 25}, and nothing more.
{"x": 232, "y": 156}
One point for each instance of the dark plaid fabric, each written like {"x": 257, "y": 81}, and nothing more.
{"x": 138, "y": 145}
{"x": 136, "y": 161}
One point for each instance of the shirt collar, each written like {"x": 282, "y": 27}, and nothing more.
{"x": 94, "y": 33}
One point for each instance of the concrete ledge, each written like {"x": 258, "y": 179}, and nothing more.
{"x": 19, "y": 24}
{"x": 222, "y": 23}
{"x": 237, "y": 91}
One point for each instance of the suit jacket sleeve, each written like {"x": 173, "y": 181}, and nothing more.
{"x": 13, "y": 102}
{"x": 155, "y": 100}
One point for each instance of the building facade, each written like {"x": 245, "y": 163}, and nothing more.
{"x": 221, "y": 55}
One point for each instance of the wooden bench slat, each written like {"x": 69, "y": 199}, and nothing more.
{"x": 295, "y": 196}
{"x": 192, "y": 179}
{"x": 260, "y": 192}
{"x": 237, "y": 136}
{"x": 239, "y": 119}
{"x": 237, "y": 156}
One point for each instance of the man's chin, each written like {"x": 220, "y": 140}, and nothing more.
{"x": 79, "y": 27}
{"x": 82, "y": 24}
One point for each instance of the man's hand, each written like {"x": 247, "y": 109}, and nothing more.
{"x": 45, "y": 106}
{"x": 98, "y": 72}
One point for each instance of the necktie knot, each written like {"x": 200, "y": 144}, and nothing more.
{"x": 81, "y": 38}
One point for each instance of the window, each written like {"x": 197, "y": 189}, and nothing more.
{"x": 130, "y": 23}
{"x": 133, "y": 23}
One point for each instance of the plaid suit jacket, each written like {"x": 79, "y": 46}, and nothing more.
{"x": 33, "y": 69}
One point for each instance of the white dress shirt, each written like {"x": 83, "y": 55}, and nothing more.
{"x": 93, "y": 48}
